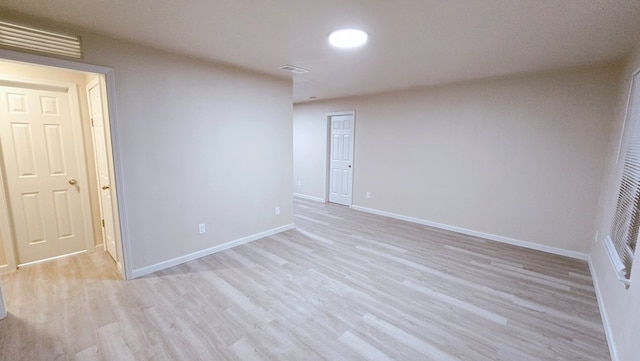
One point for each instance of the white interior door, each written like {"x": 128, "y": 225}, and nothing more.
{"x": 42, "y": 171}
{"x": 341, "y": 164}
{"x": 102, "y": 166}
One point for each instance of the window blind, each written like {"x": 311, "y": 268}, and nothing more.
{"x": 626, "y": 221}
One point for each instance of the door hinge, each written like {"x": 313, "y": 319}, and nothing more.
{"x": 92, "y": 122}
{"x": 103, "y": 223}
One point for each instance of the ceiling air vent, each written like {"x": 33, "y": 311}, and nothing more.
{"x": 294, "y": 69}
{"x": 26, "y": 37}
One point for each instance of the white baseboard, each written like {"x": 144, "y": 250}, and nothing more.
{"x": 4, "y": 269}
{"x": 139, "y": 272}
{"x": 603, "y": 315}
{"x": 311, "y": 198}
{"x": 52, "y": 258}
{"x": 489, "y": 236}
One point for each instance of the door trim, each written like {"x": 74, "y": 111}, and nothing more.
{"x": 327, "y": 165}
{"x": 6, "y": 228}
{"x": 3, "y": 308}
{"x": 120, "y": 218}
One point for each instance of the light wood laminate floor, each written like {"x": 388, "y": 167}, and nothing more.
{"x": 345, "y": 285}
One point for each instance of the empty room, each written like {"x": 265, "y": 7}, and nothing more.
{"x": 319, "y": 180}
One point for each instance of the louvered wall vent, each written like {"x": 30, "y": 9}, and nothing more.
{"x": 26, "y": 37}
{"x": 294, "y": 69}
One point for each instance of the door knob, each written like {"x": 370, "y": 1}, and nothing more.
{"x": 105, "y": 187}
{"x": 73, "y": 181}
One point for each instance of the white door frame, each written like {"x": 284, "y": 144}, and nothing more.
{"x": 3, "y": 308}
{"x": 124, "y": 261}
{"x": 6, "y": 230}
{"x": 327, "y": 175}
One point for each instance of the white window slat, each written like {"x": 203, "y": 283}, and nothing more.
{"x": 625, "y": 226}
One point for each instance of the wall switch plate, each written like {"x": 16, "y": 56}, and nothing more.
{"x": 202, "y": 228}
{"x": 277, "y": 211}
{"x": 368, "y": 194}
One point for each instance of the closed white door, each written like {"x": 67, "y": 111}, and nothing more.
{"x": 42, "y": 170}
{"x": 102, "y": 166}
{"x": 341, "y": 165}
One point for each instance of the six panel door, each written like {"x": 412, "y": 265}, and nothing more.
{"x": 38, "y": 151}
{"x": 341, "y": 171}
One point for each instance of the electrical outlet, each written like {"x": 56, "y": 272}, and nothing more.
{"x": 202, "y": 228}
{"x": 368, "y": 194}
{"x": 299, "y": 183}
{"x": 277, "y": 211}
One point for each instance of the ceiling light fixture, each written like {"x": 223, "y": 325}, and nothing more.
{"x": 348, "y": 38}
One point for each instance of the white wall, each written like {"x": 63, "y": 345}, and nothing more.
{"x": 199, "y": 143}
{"x": 310, "y": 147}
{"x": 620, "y": 306}
{"x": 518, "y": 157}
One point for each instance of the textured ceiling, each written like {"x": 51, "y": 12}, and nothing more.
{"x": 412, "y": 43}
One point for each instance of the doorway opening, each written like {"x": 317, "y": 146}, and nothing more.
{"x": 58, "y": 192}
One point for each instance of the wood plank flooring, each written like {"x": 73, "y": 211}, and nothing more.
{"x": 344, "y": 285}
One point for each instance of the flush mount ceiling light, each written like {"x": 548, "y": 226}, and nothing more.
{"x": 348, "y": 38}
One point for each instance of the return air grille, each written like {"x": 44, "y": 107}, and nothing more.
{"x": 293, "y": 69}
{"x": 25, "y": 37}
